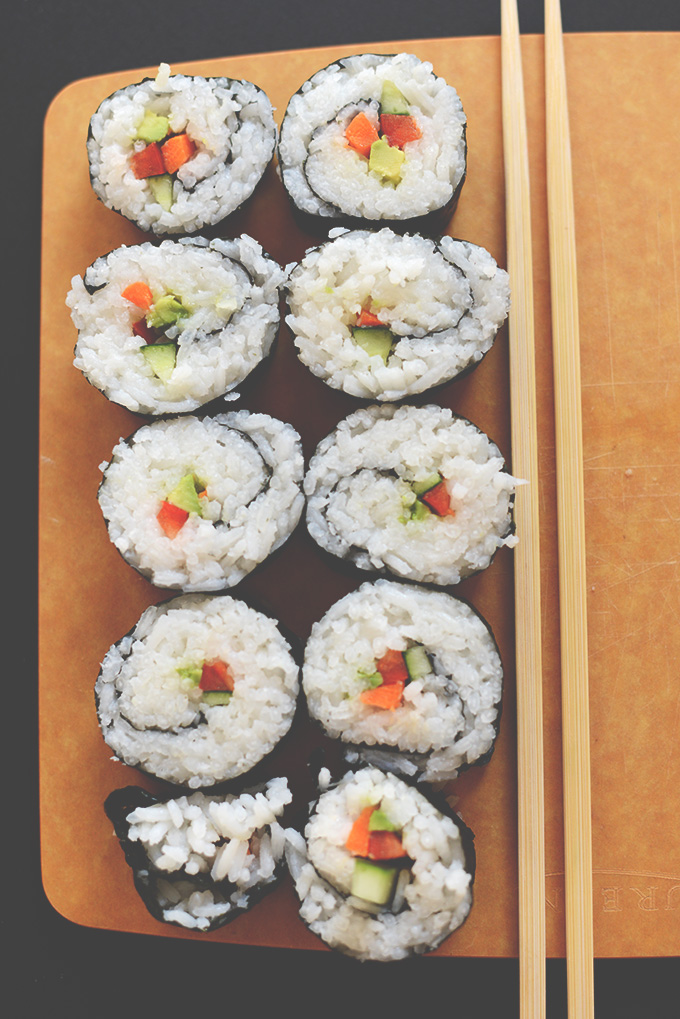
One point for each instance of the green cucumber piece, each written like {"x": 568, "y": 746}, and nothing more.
{"x": 373, "y": 882}
{"x": 162, "y": 358}
{"x": 427, "y": 484}
{"x": 213, "y": 697}
{"x": 417, "y": 662}
{"x": 161, "y": 189}
{"x": 374, "y": 340}
{"x": 392, "y": 100}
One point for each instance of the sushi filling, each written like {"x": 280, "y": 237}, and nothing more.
{"x": 199, "y": 692}
{"x": 206, "y": 856}
{"x": 376, "y": 836}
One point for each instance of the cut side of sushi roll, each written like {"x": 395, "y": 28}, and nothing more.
{"x": 381, "y": 873}
{"x": 200, "y": 861}
{"x": 199, "y": 692}
{"x": 176, "y": 153}
{"x": 196, "y": 503}
{"x": 163, "y": 329}
{"x": 373, "y": 138}
{"x": 412, "y": 675}
{"x": 383, "y": 316}
{"x": 412, "y": 491}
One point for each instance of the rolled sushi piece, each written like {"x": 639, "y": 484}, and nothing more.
{"x": 409, "y": 675}
{"x": 383, "y": 316}
{"x": 200, "y": 861}
{"x": 163, "y": 329}
{"x": 381, "y": 872}
{"x": 415, "y": 492}
{"x": 199, "y": 692}
{"x": 176, "y": 153}
{"x": 373, "y": 138}
{"x": 197, "y": 503}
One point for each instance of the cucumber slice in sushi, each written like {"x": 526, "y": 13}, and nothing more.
{"x": 362, "y": 506}
{"x": 223, "y": 301}
{"x": 326, "y": 177}
{"x": 248, "y": 470}
{"x": 199, "y": 692}
{"x": 448, "y": 711}
{"x": 200, "y": 861}
{"x": 228, "y": 133}
{"x": 415, "y": 892}
{"x": 441, "y": 302}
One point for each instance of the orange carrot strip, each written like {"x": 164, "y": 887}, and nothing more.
{"x": 361, "y": 133}
{"x": 176, "y": 151}
{"x": 387, "y": 696}
{"x": 359, "y": 837}
{"x": 140, "y": 294}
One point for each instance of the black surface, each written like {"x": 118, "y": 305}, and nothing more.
{"x": 58, "y": 967}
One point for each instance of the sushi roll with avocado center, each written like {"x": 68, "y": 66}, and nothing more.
{"x": 166, "y": 328}
{"x": 200, "y": 861}
{"x": 410, "y": 677}
{"x": 197, "y": 503}
{"x": 382, "y": 316}
{"x": 380, "y": 871}
{"x": 176, "y": 153}
{"x": 200, "y": 691}
{"x": 373, "y": 137}
{"x": 415, "y": 492}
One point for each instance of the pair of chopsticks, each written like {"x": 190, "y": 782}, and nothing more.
{"x": 571, "y": 529}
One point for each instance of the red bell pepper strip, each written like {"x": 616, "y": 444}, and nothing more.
{"x": 215, "y": 675}
{"x": 171, "y": 518}
{"x": 385, "y": 845}
{"x": 361, "y": 133}
{"x": 392, "y": 667}
{"x": 439, "y": 501}
{"x": 148, "y": 334}
{"x": 177, "y": 150}
{"x": 148, "y": 162}
{"x": 367, "y": 318}
{"x": 399, "y": 129}
{"x": 359, "y": 836}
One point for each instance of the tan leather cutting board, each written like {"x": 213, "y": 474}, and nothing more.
{"x": 624, "y": 96}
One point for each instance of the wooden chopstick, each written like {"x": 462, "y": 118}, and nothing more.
{"x": 531, "y": 846}
{"x": 571, "y": 529}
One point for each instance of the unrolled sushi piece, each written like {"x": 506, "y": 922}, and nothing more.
{"x": 200, "y": 861}
{"x": 373, "y": 138}
{"x": 196, "y": 503}
{"x": 416, "y": 492}
{"x": 163, "y": 329}
{"x": 200, "y": 691}
{"x": 412, "y": 676}
{"x": 381, "y": 872}
{"x": 176, "y": 153}
{"x": 383, "y": 316}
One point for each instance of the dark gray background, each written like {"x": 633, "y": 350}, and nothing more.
{"x": 61, "y": 968}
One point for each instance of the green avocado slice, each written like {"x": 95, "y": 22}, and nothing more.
{"x": 392, "y": 100}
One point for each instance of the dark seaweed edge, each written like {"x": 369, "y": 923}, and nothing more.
{"x": 265, "y": 767}
{"x": 414, "y": 757}
{"x": 440, "y": 803}
{"x": 117, "y": 806}
{"x": 179, "y": 232}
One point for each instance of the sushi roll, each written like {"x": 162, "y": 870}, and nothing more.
{"x": 383, "y": 316}
{"x": 381, "y": 872}
{"x": 373, "y": 138}
{"x": 196, "y": 503}
{"x": 199, "y": 692}
{"x": 200, "y": 861}
{"x": 410, "y": 675}
{"x": 163, "y": 329}
{"x": 176, "y": 153}
{"x": 416, "y": 492}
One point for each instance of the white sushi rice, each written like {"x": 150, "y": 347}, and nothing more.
{"x": 433, "y": 899}
{"x": 252, "y": 467}
{"x": 448, "y": 717}
{"x": 233, "y": 843}
{"x": 230, "y": 122}
{"x": 153, "y": 717}
{"x": 324, "y": 176}
{"x": 359, "y": 478}
{"x": 230, "y": 290}
{"x": 444, "y": 302}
